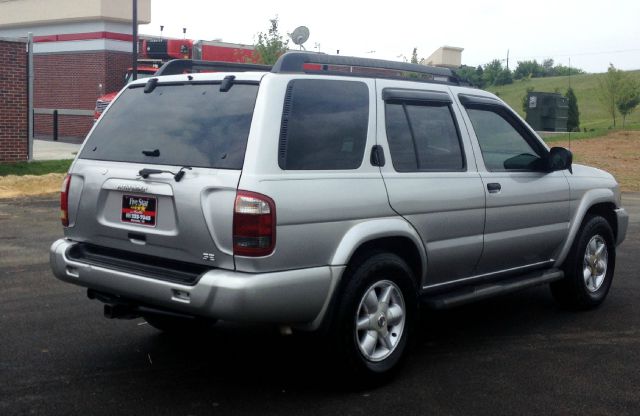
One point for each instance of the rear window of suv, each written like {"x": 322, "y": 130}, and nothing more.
{"x": 188, "y": 124}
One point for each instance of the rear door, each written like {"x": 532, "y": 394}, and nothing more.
{"x": 192, "y": 125}
{"x": 431, "y": 176}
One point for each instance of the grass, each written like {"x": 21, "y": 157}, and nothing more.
{"x": 593, "y": 114}
{"x": 591, "y": 134}
{"x": 35, "y": 168}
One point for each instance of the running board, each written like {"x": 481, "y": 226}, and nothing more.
{"x": 470, "y": 294}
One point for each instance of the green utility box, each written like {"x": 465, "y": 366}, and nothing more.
{"x": 547, "y": 111}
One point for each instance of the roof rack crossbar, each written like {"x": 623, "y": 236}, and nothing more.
{"x": 293, "y": 62}
{"x": 185, "y": 66}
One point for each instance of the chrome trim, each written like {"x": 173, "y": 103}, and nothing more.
{"x": 102, "y": 105}
{"x": 138, "y": 185}
{"x": 482, "y": 276}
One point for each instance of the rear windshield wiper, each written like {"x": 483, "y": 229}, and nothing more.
{"x": 176, "y": 175}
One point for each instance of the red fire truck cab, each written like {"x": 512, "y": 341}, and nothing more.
{"x": 103, "y": 101}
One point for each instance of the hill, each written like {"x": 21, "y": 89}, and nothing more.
{"x": 593, "y": 115}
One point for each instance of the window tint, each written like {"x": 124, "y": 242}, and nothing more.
{"x": 324, "y": 125}
{"x": 190, "y": 125}
{"x": 423, "y": 138}
{"x": 502, "y": 146}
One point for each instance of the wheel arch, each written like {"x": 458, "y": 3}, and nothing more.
{"x": 594, "y": 202}
{"x": 393, "y": 235}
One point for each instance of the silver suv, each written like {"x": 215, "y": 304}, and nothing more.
{"x": 329, "y": 194}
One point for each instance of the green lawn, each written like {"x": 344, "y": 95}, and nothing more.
{"x": 593, "y": 115}
{"x": 35, "y": 168}
{"x": 591, "y": 134}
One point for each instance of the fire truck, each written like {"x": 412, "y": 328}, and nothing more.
{"x": 103, "y": 101}
{"x": 156, "y": 51}
{"x": 206, "y": 50}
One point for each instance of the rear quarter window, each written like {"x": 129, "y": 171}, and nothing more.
{"x": 324, "y": 125}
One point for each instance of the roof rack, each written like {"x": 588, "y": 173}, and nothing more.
{"x": 310, "y": 62}
{"x": 188, "y": 66}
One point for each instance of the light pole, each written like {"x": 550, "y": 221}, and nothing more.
{"x": 134, "y": 50}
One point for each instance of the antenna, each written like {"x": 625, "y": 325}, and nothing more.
{"x": 300, "y": 35}
{"x": 570, "y": 88}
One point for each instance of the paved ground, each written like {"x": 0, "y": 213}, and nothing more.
{"x": 515, "y": 355}
{"x": 50, "y": 150}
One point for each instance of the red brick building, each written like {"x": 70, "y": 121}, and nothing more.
{"x": 70, "y": 83}
{"x": 82, "y": 49}
{"x": 13, "y": 100}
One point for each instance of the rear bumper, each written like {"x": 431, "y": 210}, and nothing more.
{"x": 294, "y": 297}
{"x": 623, "y": 223}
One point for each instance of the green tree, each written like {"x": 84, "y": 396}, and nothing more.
{"x": 495, "y": 74}
{"x": 628, "y": 97}
{"x": 270, "y": 45}
{"x": 609, "y": 89}
{"x": 491, "y": 71}
{"x": 548, "y": 68}
{"x": 525, "y": 100}
{"x": 563, "y": 71}
{"x": 573, "y": 120}
{"x": 532, "y": 69}
{"x": 414, "y": 56}
{"x": 470, "y": 75}
{"x": 504, "y": 77}
{"x": 480, "y": 76}
{"x": 528, "y": 69}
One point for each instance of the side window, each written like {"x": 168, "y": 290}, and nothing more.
{"x": 502, "y": 146}
{"x": 423, "y": 137}
{"x": 324, "y": 125}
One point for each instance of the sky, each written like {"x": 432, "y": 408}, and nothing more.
{"x": 591, "y": 34}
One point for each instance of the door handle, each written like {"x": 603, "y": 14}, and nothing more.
{"x": 377, "y": 156}
{"x": 494, "y": 187}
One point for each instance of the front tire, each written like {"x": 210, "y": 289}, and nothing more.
{"x": 375, "y": 316}
{"x": 589, "y": 266}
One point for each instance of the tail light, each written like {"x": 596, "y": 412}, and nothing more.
{"x": 254, "y": 225}
{"x": 64, "y": 201}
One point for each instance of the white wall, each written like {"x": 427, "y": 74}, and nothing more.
{"x": 30, "y": 13}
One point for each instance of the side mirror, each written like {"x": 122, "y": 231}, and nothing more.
{"x": 559, "y": 158}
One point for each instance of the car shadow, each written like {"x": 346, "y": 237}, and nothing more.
{"x": 257, "y": 357}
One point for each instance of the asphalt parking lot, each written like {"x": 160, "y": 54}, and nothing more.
{"x": 518, "y": 354}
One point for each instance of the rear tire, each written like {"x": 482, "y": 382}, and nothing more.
{"x": 589, "y": 266}
{"x": 374, "y": 318}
